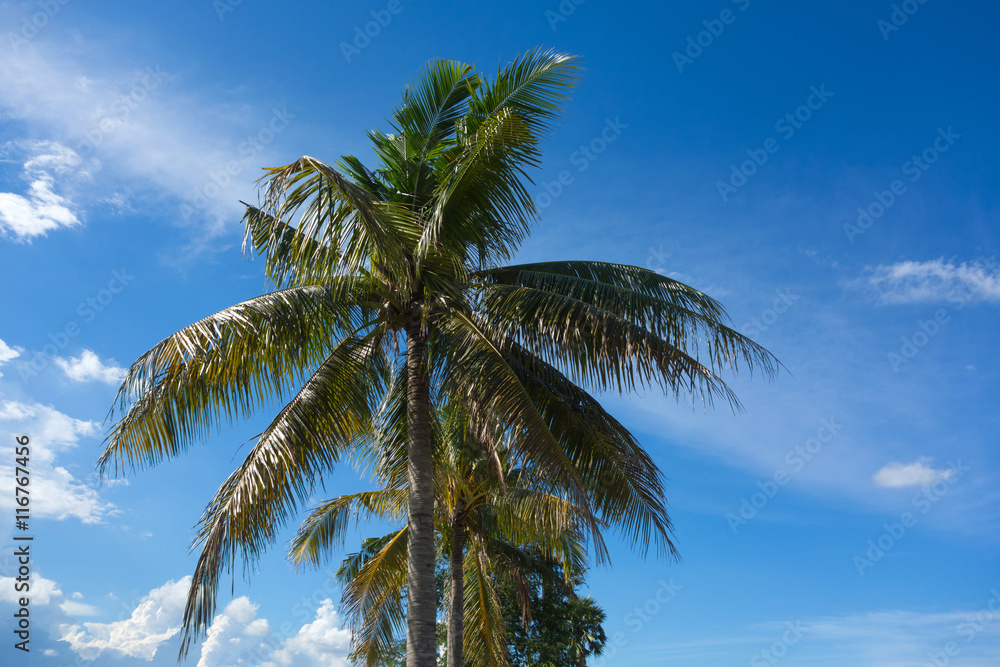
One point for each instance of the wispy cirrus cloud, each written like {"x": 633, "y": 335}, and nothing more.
{"x": 77, "y": 608}
{"x": 932, "y": 281}
{"x": 891, "y": 638}
{"x": 138, "y": 130}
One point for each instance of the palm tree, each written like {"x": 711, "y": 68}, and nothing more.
{"x": 409, "y": 255}
{"x": 588, "y": 637}
{"x": 484, "y": 502}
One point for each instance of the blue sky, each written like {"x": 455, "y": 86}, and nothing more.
{"x": 829, "y": 172}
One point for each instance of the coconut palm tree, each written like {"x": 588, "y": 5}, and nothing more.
{"x": 409, "y": 256}
{"x": 487, "y": 510}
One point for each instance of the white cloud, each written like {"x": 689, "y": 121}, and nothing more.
{"x": 74, "y": 608}
{"x": 7, "y": 353}
{"x": 51, "y": 157}
{"x": 320, "y": 643}
{"x": 238, "y": 637}
{"x": 235, "y": 635}
{"x": 50, "y": 653}
{"x": 919, "y": 473}
{"x": 57, "y": 494}
{"x": 154, "y": 621}
{"x": 934, "y": 281}
{"x": 257, "y": 628}
{"x": 40, "y": 210}
{"x": 43, "y": 590}
{"x": 88, "y": 367}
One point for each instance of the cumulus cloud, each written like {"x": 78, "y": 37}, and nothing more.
{"x": 39, "y": 210}
{"x": 322, "y": 642}
{"x": 154, "y": 621}
{"x": 919, "y": 473}
{"x": 43, "y": 591}
{"x": 56, "y": 493}
{"x": 933, "y": 281}
{"x": 88, "y": 367}
{"x": 7, "y": 353}
{"x": 235, "y": 635}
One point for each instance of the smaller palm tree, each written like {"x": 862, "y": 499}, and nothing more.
{"x": 487, "y": 507}
{"x": 588, "y": 636}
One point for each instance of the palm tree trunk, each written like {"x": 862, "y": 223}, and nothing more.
{"x": 421, "y": 600}
{"x": 456, "y": 606}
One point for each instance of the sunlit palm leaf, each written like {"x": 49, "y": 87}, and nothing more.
{"x": 374, "y": 584}
{"x": 225, "y": 366}
{"x": 325, "y": 528}
{"x": 485, "y": 637}
{"x": 624, "y": 484}
{"x": 331, "y": 412}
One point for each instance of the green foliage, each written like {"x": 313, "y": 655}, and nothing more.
{"x": 563, "y": 628}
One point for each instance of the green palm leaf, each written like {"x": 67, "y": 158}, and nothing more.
{"x": 222, "y": 368}
{"x": 329, "y": 415}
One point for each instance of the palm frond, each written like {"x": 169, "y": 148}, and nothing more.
{"x": 481, "y": 201}
{"x": 326, "y": 525}
{"x": 433, "y": 105}
{"x": 328, "y": 416}
{"x": 624, "y": 484}
{"x": 223, "y": 367}
{"x": 326, "y": 209}
{"x": 374, "y": 585}
{"x": 666, "y": 308}
{"x": 601, "y": 347}
{"x": 485, "y": 637}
